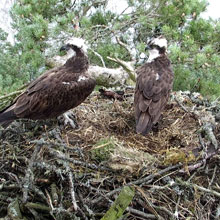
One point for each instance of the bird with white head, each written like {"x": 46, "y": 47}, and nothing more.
{"x": 160, "y": 41}
{"x": 78, "y": 42}
{"x": 153, "y": 86}
{"x": 157, "y": 47}
{"x": 56, "y": 91}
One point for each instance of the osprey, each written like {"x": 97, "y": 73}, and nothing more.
{"x": 56, "y": 91}
{"x": 153, "y": 86}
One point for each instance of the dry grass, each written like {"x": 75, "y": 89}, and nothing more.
{"x": 168, "y": 167}
{"x": 102, "y": 119}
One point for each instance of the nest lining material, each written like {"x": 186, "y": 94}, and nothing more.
{"x": 105, "y": 152}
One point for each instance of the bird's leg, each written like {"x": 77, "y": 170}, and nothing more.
{"x": 69, "y": 118}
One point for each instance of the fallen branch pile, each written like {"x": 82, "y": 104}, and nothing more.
{"x": 51, "y": 172}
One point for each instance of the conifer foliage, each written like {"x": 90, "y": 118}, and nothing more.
{"x": 41, "y": 27}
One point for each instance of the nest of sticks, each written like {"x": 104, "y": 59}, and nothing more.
{"x": 53, "y": 172}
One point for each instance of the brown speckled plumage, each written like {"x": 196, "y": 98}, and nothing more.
{"x": 54, "y": 92}
{"x": 153, "y": 87}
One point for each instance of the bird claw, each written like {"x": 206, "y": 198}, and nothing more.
{"x": 69, "y": 118}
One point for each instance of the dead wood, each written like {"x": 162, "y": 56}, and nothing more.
{"x": 51, "y": 172}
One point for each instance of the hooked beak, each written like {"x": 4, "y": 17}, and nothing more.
{"x": 64, "y": 48}
{"x": 147, "y": 48}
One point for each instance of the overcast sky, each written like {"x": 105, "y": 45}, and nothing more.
{"x": 115, "y": 5}
{"x": 212, "y": 10}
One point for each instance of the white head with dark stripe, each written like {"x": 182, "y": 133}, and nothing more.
{"x": 73, "y": 45}
{"x": 157, "y": 47}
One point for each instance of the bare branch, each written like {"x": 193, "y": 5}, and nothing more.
{"x": 99, "y": 56}
{"x": 126, "y": 66}
{"x": 126, "y": 47}
{"x": 75, "y": 206}
{"x": 29, "y": 174}
{"x": 192, "y": 185}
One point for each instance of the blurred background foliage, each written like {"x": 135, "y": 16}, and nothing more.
{"x": 42, "y": 27}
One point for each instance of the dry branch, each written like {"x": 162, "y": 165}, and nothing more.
{"x": 127, "y": 66}
{"x": 121, "y": 203}
{"x": 72, "y": 192}
{"x": 5, "y": 100}
{"x": 141, "y": 214}
{"x": 208, "y": 128}
{"x": 28, "y": 180}
{"x": 64, "y": 171}
{"x": 192, "y": 185}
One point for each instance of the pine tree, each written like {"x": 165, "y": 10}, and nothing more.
{"x": 43, "y": 26}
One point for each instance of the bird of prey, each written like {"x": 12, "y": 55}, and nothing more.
{"x": 153, "y": 86}
{"x": 56, "y": 91}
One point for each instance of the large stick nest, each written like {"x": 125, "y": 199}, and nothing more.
{"x": 53, "y": 172}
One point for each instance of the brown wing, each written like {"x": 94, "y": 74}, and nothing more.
{"x": 41, "y": 82}
{"x": 52, "y": 94}
{"x": 151, "y": 95}
{"x": 22, "y": 102}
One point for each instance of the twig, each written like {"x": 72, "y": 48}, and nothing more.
{"x": 180, "y": 104}
{"x": 59, "y": 144}
{"x": 176, "y": 208}
{"x": 100, "y": 57}
{"x": 213, "y": 176}
{"x": 137, "y": 182}
{"x": 91, "y": 188}
{"x": 207, "y": 155}
{"x": 148, "y": 204}
{"x": 10, "y": 187}
{"x": 61, "y": 156}
{"x": 126, "y": 48}
{"x": 13, "y": 176}
{"x": 49, "y": 200}
{"x": 152, "y": 176}
{"x": 38, "y": 192}
{"x": 200, "y": 163}
{"x": 141, "y": 214}
{"x": 51, "y": 168}
{"x": 162, "y": 208}
{"x": 207, "y": 127}
{"x": 192, "y": 185}
{"x": 195, "y": 116}
{"x": 34, "y": 213}
{"x": 204, "y": 147}
{"x": 54, "y": 194}
{"x": 12, "y": 94}
{"x": 75, "y": 206}
{"x": 62, "y": 212}
{"x": 29, "y": 174}
{"x": 86, "y": 210}
{"x": 37, "y": 206}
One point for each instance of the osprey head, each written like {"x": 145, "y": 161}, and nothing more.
{"x": 157, "y": 47}
{"x": 75, "y": 44}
